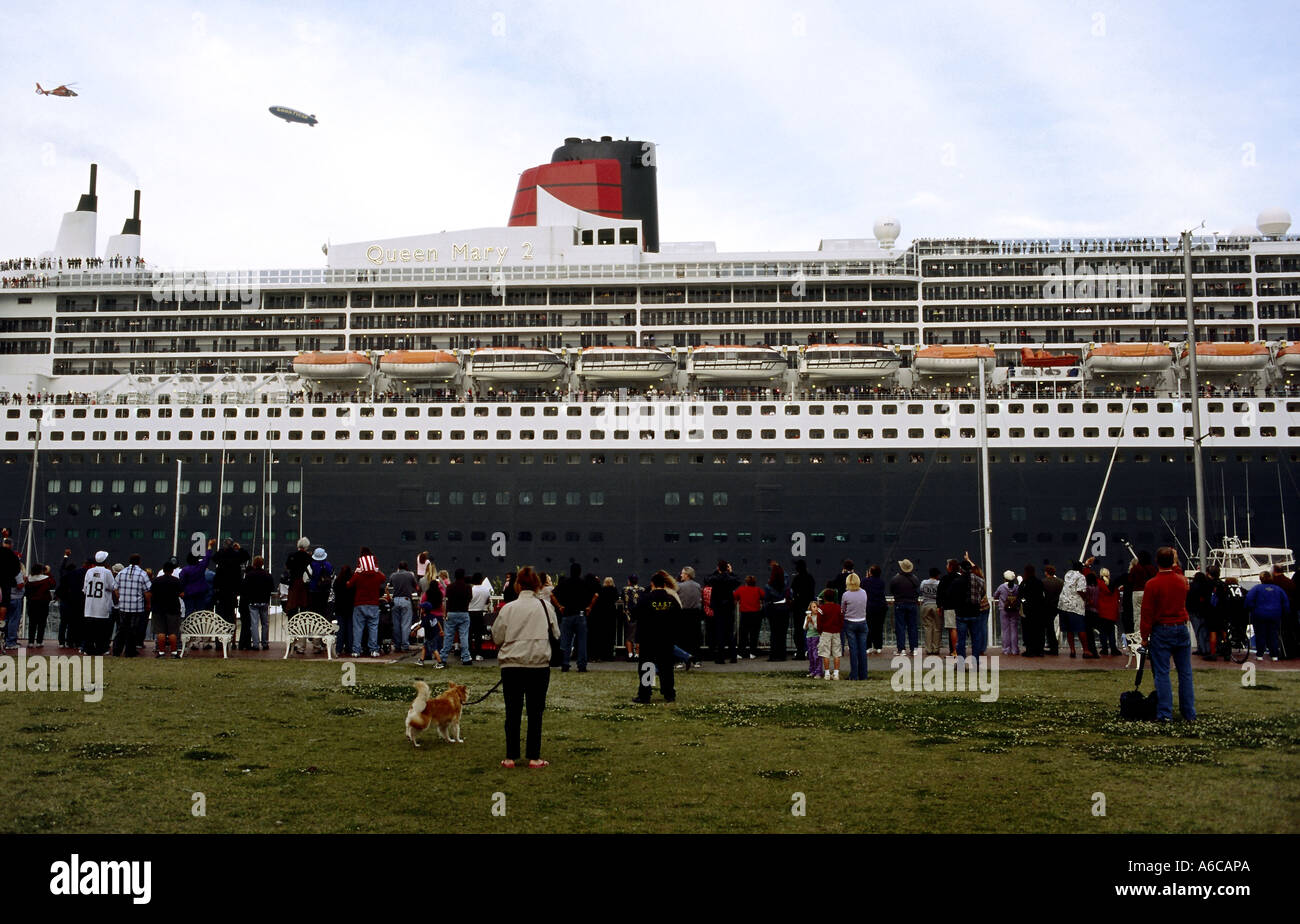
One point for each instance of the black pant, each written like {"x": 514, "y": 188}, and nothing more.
{"x": 520, "y": 684}
{"x": 124, "y": 643}
{"x": 750, "y": 623}
{"x": 227, "y": 602}
{"x": 95, "y": 634}
{"x": 663, "y": 668}
{"x": 688, "y": 632}
{"x": 876, "y": 628}
{"x": 778, "y": 624}
{"x": 1031, "y": 633}
{"x": 722, "y": 635}
{"x": 476, "y": 634}
{"x": 71, "y": 631}
{"x": 37, "y": 612}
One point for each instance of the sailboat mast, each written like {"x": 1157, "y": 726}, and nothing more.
{"x": 31, "y": 499}
{"x": 176, "y": 522}
{"x": 1281, "y": 505}
{"x": 1201, "y": 549}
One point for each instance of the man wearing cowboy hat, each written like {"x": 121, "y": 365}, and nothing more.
{"x": 905, "y": 589}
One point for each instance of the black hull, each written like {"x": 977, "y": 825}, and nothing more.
{"x": 612, "y": 516}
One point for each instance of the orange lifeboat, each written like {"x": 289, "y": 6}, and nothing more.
{"x": 1129, "y": 357}
{"x": 1288, "y": 358}
{"x": 1042, "y": 359}
{"x": 419, "y": 364}
{"x": 332, "y": 365}
{"x": 953, "y": 360}
{"x": 1227, "y": 357}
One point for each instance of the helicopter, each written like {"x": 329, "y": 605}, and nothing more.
{"x": 61, "y": 90}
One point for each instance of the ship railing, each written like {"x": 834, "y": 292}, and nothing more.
{"x": 928, "y": 247}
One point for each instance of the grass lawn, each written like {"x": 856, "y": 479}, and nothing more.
{"x": 285, "y": 747}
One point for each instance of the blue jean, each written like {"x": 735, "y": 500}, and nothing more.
{"x": 259, "y": 624}
{"x": 1171, "y": 641}
{"x": 365, "y": 624}
{"x": 975, "y": 627}
{"x": 574, "y": 628}
{"x": 1266, "y": 636}
{"x": 402, "y": 623}
{"x": 457, "y": 622}
{"x": 856, "y": 635}
{"x": 905, "y": 620}
{"x": 14, "y": 617}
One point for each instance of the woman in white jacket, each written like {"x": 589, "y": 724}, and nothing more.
{"x": 523, "y": 631}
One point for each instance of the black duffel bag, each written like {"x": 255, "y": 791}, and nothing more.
{"x": 1134, "y": 704}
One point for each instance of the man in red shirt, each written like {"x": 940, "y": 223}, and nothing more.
{"x": 368, "y": 582}
{"x": 1164, "y": 634}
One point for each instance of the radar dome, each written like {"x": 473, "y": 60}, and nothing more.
{"x": 887, "y": 230}
{"x": 1273, "y": 222}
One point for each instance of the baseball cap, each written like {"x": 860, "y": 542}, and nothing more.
{"x": 101, "y": 557}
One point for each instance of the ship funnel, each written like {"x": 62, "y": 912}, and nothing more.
{"x": 126, "y": 244}
{"x": 77, "y": 230}
{"x": 132, "y": 225}
{"x": 90, "y": 202}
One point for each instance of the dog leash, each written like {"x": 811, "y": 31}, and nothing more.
{"x": 474, "y": 702}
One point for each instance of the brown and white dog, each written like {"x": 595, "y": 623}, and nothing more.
{"x": 442, "y": 710}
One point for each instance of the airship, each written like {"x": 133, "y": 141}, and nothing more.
{"x": 292, "y": 115}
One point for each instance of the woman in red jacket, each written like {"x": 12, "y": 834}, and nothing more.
{"x": 1107, "y": 613}
{"x": 749, "y": 598}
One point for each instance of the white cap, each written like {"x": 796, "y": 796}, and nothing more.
{"x": 1008, "y": 575}
{"x": 101, "y": 557}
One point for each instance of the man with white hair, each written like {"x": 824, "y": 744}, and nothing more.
{"x": 100, "y": 590}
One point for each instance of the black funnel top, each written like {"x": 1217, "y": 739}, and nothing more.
{"x": 132, "y": 225}
{"x": 89, "y": 201}
{"x": 640, "y": 187}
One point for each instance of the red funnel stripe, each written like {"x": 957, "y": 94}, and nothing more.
{"x": 591, "y": 185}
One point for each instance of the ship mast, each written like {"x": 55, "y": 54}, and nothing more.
{"x": 987, "y": 525}
{"x": 1201, "y": 550}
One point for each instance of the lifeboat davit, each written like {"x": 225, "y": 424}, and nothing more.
{"x": 953, "y": 360}
{"x": 1288, "y": 358}
{"x": 623, "y": 364}
{"x": 830, "y": 362}
{"x": 1227, "y": 357}
{"x": 419, "y": 365}
{"x": 1042, "y": 359}
{"x": 1129, "y": 357}
{"x": 735, "y": 363}
{"x": 508, "y": 365}
{"x": 329, "y": 365}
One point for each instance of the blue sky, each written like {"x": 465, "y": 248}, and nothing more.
{"x": 777, "y": 124}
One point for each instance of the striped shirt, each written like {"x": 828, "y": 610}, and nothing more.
{"x": 132, "y": 585}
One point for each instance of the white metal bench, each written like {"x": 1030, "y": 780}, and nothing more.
{"x": 207, "y": 626}
{"x": 310, "y": 627}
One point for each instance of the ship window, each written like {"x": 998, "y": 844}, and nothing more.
{"x": 865, "y": 434}
{"x": 1115, "y": 432}
{"x": 627, "y": 235}
{"x": 1091, "y": 433}
{"x": 458, "y": 434}
{"x": 1218, "y": 431}
{"x": 744, "y": 410}
{"x": 315, "y": 412}
{"x": 549, "y": 498}
{"x": 915, "y": 433}
{"x": 433, "y": 411}
{"x": 740, "y": 434}
{"x": 889, "y": 409}
{"x": 815, "y": 409}
{"x": 942, "y": 433}
{"x": 1041, "y": 433}
{"x": 1065, "y": 432}
{"x": 767, "y": 434}
{"x": 574, "y": 434}
{"x": 1069, "y": 514}
{"x": 695, "y": 499}
{"x": 694, "y": 537}
{"x": 672, "y": 537}
{"x": 1215, "y": 407}
{"x": 1142, "y": 431}
{"x": 478, "y": 498}
{"x": 890, "y": 434}
{"x": 792, "y": 434}
{"x": 1268, "y": 431}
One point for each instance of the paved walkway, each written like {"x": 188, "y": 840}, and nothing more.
{"x": 876, "y": 662}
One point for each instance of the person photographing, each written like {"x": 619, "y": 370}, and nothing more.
{"x": 1164, "y": 634}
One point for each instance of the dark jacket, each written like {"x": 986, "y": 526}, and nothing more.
{"x": 458, "y": 596}
{"x": 656, "y": 616}
{"x": 722, "y": 588}
{"x": 875, "y": 588}
{"x": 257, "y": 586}
{"x": 229, "y": 566}
{"x": 946, "y": 597}
{"x": 905, "y": 588}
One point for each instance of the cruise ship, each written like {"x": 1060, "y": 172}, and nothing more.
{"x": 567, "y": 387}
